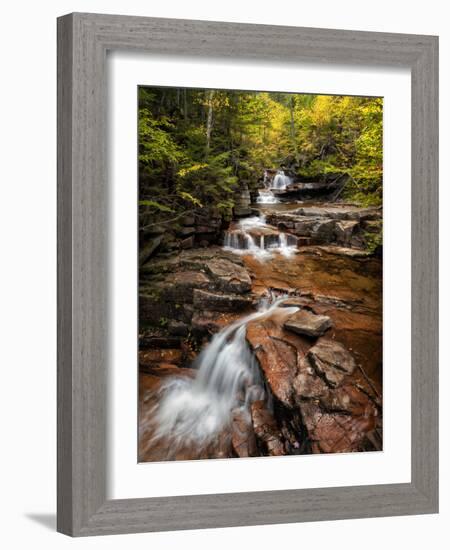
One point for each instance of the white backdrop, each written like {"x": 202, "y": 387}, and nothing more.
{"x": 27, "y": 287}
{"x": 130, "y": 480}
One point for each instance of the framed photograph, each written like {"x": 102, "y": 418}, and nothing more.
{"x": 247, "y": 274}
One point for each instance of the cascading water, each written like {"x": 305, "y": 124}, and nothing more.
{"x": 281, "y": 181}
{"x": 249, "y": 237}
{"x": 266, "y": 197}
{"x": 194, "y": 411}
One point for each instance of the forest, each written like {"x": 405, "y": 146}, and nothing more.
{"x": 260, "y": 274}
{"x": 197, "y": 147}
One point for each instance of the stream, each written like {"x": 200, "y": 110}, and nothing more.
{"x": 194, "y": 411}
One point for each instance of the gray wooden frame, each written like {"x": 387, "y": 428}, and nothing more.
{"x": 83, "y": 40}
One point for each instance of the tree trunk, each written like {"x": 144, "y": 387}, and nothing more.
{"x": 294, "y": 142}
{"x": 209, "y": 122}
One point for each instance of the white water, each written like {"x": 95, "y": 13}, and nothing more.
{"x": 267, "y": 197}
{"x": 241, "y": 241}
{"x": 195, "y": 411}
{"x": 281, "y": 181}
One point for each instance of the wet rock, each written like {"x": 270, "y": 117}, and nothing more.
{"x": 242, "y": 211}
{"x": 308, "y": 323}
{"x": 339, "y": 212}
{"x": 328, "y": 224}
{"x": 220, "y": 301}
{"x": 332, "y": 361}
{"x": 243, "y": 437}
{"x": 303, "y": 302}
{"x": 242, "y": 201}
{"x": 337, "y": 419}
{"x": 266, "y": 429}
{"x": 209, "y": 322}
{"x": 277, "y": 357}
{"x": 337, "y": 432}
{"x": 308, "y": 385}
{"x": 344, "y": 251}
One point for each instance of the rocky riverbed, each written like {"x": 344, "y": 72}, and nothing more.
{"x": 318, "y": 354}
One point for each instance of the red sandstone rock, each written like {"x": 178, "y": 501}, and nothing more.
{"x": 308, "y": 323}
{"x": 242, "y": 435}
{"x": 266, "y": 429}
{"x": 331, "y": 361}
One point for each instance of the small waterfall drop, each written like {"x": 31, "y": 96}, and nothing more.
{"x": 253, "y": 236}
{"x": 281, "y": 181}
{"x": 194, "y": 411}
{"x": 266, "y": 196}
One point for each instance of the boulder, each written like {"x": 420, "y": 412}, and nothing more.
{"x": 344, "y": 231}
{"x": 324, "y": 230}
{"x": 229, "y": 276}
{"x": 308, "y": 323}
{"x": 332, "y": 361}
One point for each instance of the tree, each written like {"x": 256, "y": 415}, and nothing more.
{"x": 196, "y": 147}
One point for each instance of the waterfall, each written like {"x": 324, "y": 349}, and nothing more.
{"x": 281, "y": 181}
{"x": 285, "y": 248}
{"x": 266, "y": 197}
{"x": 248, "y": 237}
{"x": 194, "y": 411}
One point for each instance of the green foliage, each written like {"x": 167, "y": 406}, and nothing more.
{"x": 373, "y": 241}
{"x": 156, "y": 205}
{"x": 197, "y": 147}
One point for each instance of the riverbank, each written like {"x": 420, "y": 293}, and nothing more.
{"x": 321, "y": 391}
